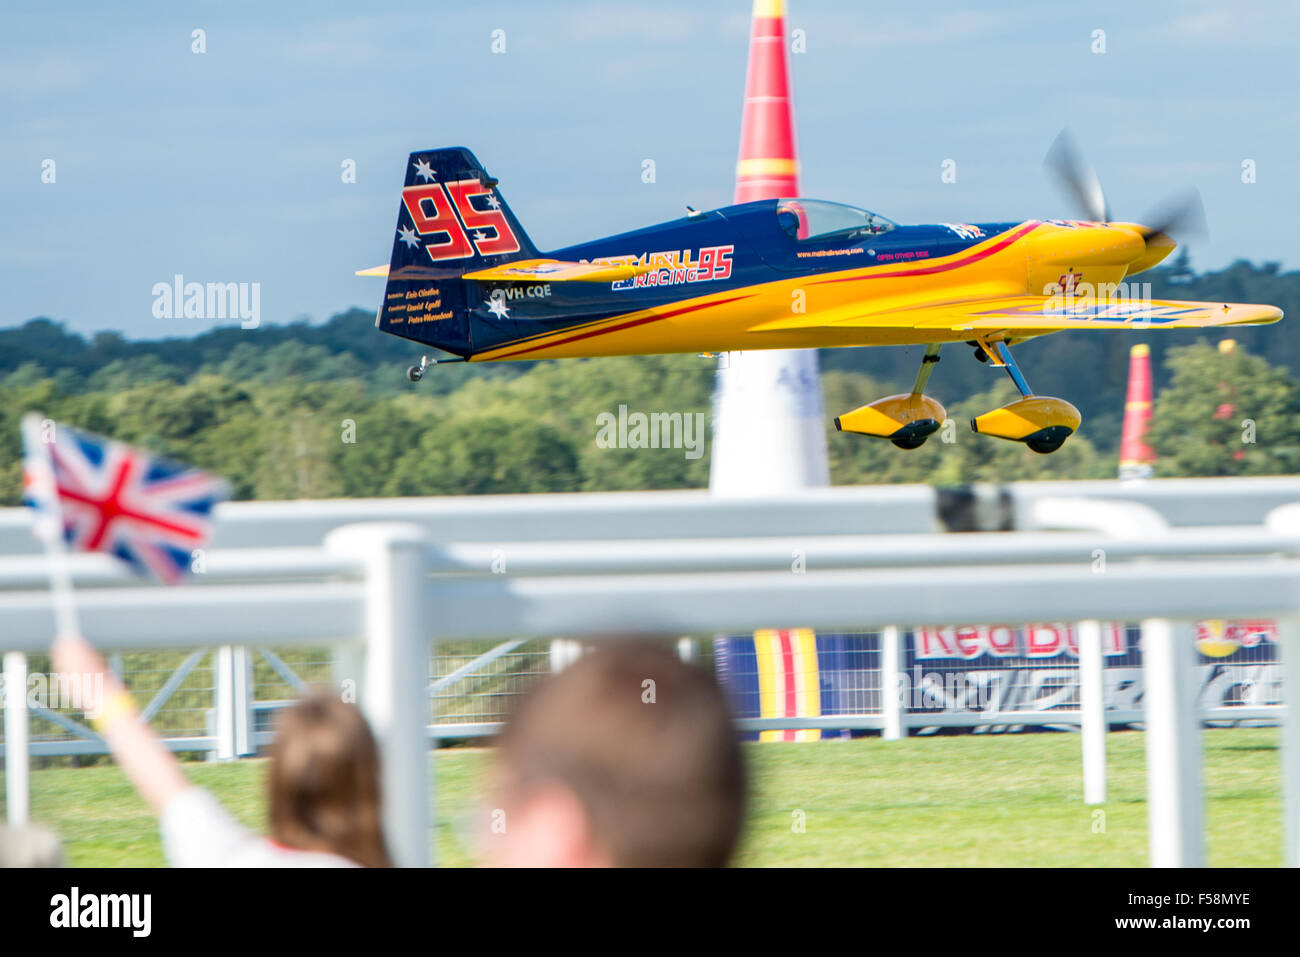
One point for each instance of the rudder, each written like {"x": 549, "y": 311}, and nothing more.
{"x": 451, "y": 219}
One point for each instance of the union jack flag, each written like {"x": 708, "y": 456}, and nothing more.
{"x": 148, "y": 511}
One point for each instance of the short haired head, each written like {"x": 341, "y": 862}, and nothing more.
{"x": 627, "y": 758}
{"x": 29, "y": 846}
{"x": 324, "y": 781}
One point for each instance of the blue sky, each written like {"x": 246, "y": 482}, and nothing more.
{"x": 225, "y": 166}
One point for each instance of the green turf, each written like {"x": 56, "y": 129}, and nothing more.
{"x": 966, "y": 800}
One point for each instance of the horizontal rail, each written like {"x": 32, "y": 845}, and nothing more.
{"x": 664, "y": 556}
{"x": 853, "y": 599}
{"x": 679, "y": 603}
{"x": 144, "y": 618}
{"x": 49, "y": 749}
{"x": 220, "y": 566}
{"x": 913, "y": 720}
{"x": 1179, "y": 501}
{"x": 847, "y": 551}
{"x": 586, "y": 515}
{"x": 465, "y": 730}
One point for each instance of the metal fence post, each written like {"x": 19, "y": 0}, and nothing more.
{"x": 1289, "y": 634}
{"x": 241, "y": 662}
{"x": 1175, "y": 799}
{"x": 17, "y": 793}
{"x": 224, "y": 681}
{"x": 1286, "y": 520}
{"x": 1092, "y": 711}
{"x": 394, "y": 696}
{"x": 891, "y": 690}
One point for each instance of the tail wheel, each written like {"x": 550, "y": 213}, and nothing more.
{"x": 414, "y": 373}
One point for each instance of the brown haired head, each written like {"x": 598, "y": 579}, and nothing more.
{"x": 645, "y": 744}
{"x": 324, "y": 781}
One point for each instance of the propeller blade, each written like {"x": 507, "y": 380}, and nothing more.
{"x": 1180, "y": 217}
{"x": 1078, "y": 178}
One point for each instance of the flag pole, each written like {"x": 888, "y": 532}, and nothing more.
{"x": 39, "y": 460}
{"x": 49, "y": 520}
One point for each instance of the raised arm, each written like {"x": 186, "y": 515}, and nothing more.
{"x": 153, "y": 769}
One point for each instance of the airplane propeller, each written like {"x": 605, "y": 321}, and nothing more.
{"x": 1180, "y": 215}
{"x": 1078, "y": 178}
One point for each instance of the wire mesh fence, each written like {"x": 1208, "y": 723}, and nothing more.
{"x": 989, "y": 679}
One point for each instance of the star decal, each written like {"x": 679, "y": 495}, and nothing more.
{"x": 497, "y": 306}
{"x": 424, "y": 170}
{"x": 493, "y": 202}
{"x": 479, "y": 235}
{"x": 409, "y": 237}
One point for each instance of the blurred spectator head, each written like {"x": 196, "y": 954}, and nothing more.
{"x": 30, "y": 846}
{"x": 324, "y": 781}
{"x": 627, "y": 758}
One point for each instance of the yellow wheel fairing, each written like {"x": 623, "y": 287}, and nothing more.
{"x": 1025, "y": 419}
{"x": 891, "y": 416}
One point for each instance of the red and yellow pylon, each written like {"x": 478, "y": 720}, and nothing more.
{"x": 768, "y": 166}
{"x": 1136, "y": 458}
{"x": 766, "y": 438}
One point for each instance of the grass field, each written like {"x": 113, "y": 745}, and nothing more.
{"x": 966, "y": 800}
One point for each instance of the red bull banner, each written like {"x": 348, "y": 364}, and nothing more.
{"x": 1009, "y": 675}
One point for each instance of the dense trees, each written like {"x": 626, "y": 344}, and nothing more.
{"x": 1225, "y": 414}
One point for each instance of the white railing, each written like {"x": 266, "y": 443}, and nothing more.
{"x": 560, "y": 517}
{"x": 391, "y": 588}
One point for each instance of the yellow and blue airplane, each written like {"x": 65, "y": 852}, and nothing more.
{"x": 778, "y": 274}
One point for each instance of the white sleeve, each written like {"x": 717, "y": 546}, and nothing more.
{"x": 198, "y": 832}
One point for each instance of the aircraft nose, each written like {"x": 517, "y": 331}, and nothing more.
{"x": 1157, "y": 246}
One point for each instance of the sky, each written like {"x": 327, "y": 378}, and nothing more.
{"x": 226, "y": 165}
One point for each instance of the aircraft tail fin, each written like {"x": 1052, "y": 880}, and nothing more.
{"x": 451, "y": 220}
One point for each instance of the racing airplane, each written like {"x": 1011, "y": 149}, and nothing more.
{"x": 780, "y": 274}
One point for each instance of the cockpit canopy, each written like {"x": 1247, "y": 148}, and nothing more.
{"x": 815, "y": 219}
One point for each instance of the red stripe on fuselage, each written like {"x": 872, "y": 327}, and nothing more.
{"x": 626, "y": 325}
{"x": 944, "y": 267}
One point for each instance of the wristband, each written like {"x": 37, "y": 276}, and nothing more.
{"x": 117, "y": 705}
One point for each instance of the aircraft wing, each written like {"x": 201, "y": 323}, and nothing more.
{"x": 553, "y": 270}
{"x": 1036, "y": 313}
{"x": 544, "y": 270}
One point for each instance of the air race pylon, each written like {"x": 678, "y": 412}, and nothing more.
{"x": 769, "y": 428}
{"x": 1136, "y": 458}
{"x": 768, "y": 420}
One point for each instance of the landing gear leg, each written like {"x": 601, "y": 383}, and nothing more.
{"x": 1003, "y": 354}
{"x": 1041, "y": 422}
{"x": 927, "y": 365}
{"x": 914, "y": 439}
{"x": 906, "y": 419}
